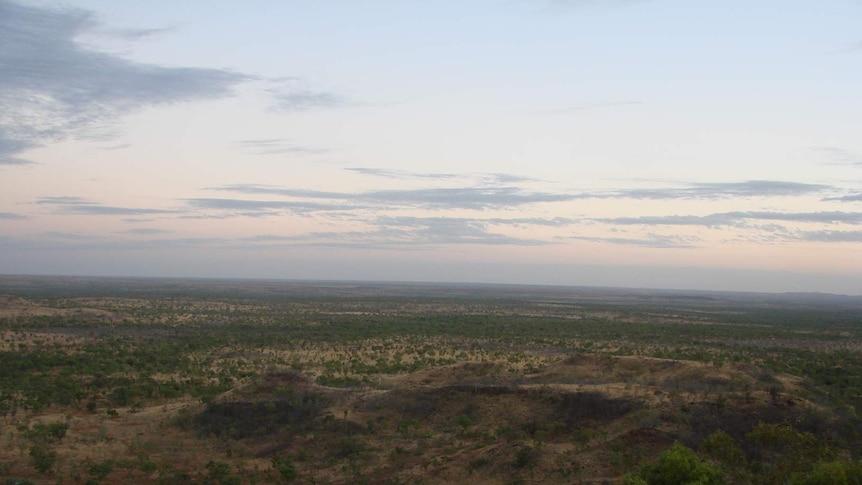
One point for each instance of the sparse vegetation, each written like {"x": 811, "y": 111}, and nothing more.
{"x": 146, "y": 381}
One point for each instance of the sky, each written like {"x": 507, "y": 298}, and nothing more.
{"x": 626, "y": 143}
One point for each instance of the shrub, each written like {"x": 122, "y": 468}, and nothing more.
{"x": 43, "y": 458}
{"x": 526, "y": 457}
{"x": 679, "y": 465}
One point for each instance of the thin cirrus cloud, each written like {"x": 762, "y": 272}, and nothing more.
{"x": 840, "y": 156}
{"x": 405, "y": 233}
{"x": 738, "y": 218}
{"x": 724, "y": 190}
{"x": 138, "y": 34}
{"x": 486, "y": 196}
{"x": 54, "y": 88}
{"x": 481, "y": 178}
{"x": 258, "y": 208}
{"x": 66, "y": 241}
{"x": 402, "y": 174}
{"x": 11, "y": 216}
{"x": 832, "y": 236}
{"x": 147, "y": 231}
{"x": 79, "y": 206}
{"x": 659, "y": 241}
{"x": 533, "y": 221}
{"x": 448, "y": 230}
{"x": 702, "y": 190}
{"x": 477, "y": 198}
{"x": 276, "y": 146}
{"x": 291, "y": 94}
{"x": 846, "y": 198}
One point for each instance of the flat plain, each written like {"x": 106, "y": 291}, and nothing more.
{"x": 124, "y": 380}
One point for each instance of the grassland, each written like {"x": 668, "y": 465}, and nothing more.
{"x": 233, "y": 381}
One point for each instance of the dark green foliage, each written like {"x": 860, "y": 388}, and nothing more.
{"x": 338, "y": 381}
{"x": 43, "y": 458}
{"x": 147, "y": 466}
{"x": 168, "y": 475}
{"x": 285, "y": 467}
{"x": 52, "y": 432}
{"x": 783, "y": 450}
{"x": 830, "y": 473}
{"x": 100, "y": 471}
{"x": 526, "y": 458}
{"x": 679, "y": 465}
{"x": 721, "y": 447}
{"x": 218, "y": 472}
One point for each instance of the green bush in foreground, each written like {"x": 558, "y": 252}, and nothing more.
{"x": 679, "y": 465}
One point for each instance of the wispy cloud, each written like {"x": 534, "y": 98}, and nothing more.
{"x": 503, "y": 178}
{"x": 402, "y": 174}
{"x": 116, "y": 146}
{"x": 292, "y": 94}
{"x": 737, "y": 218}
{"x": 477, "y": 198}
{"x": 138, "y": 220}
{"x": 276, "y": 190}
{"x": 659, "y": 241}
{"x": 11, "y": 216}
{"x": 259, "y": 208}
{"x": 832, "y": 236}
{"x": 479, "y": 178}
{"x": 276, "y": 146}
{"x": 465, "y": 198}
{"x": 138, "y": 34}
{"x": 448, "y": 230}
{"x": 70, "y": 241}
{"x": 303, "y": 100}
{"x": 723, "y": 190}
{"x": 80, "y": 206}
{"x": 846, "y": 198}
{"x": 147, "y": 231}
{"x": 404, "y": 233}
{"x": 54, "y": 88}
{"x": 492, "y": 194}
{"x": 840, "y": 156}
{"x": 533, "y": 221}
{"x": 61, "y": 200}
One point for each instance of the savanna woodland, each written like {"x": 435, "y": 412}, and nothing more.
{"x": 258, "y": 382}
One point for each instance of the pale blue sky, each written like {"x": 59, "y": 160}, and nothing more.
{"x": 675, "y": 144}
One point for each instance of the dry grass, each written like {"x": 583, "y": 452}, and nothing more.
{"x": 493, "y": 414}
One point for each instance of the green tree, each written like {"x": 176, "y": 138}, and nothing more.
{"x": 285, "y": 467}
{"x": 679, "y": 465}
{"x": 101, "y": 470}
{"x": 785, "y": 451}
{"x": 720, "y": 445}
{"x": 43, "y": 458}
{"x": 218, "y": 471}
{"x": 831, "y": 473}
